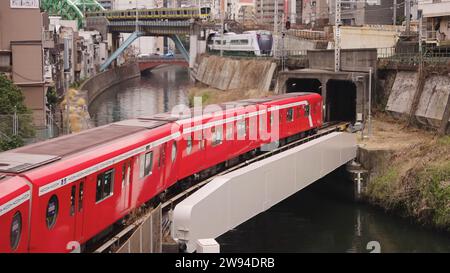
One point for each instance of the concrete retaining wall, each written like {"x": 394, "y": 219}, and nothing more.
{"x": 432, "y": 103}
{"x": 433, "y": 100}
{"x": 228, "y": 73}
{"x": 351, "y": 59}
{"x": 102, "y": 81}
{"x": 402, "y": 94}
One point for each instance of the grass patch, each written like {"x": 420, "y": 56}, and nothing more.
{"x": 382, "y": 189}
{"x": 445, "y": 140}
{"x": 434, "y": 198}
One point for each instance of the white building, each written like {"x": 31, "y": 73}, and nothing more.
{"x": 435, "y": 28}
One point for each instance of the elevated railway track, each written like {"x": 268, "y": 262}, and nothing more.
{"x": 120, "y": 236}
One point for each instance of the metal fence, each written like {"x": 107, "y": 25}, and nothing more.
{"x": 22, "y": 125}
{"x": 414, "y": 57}
{"x": 147, "y": 238}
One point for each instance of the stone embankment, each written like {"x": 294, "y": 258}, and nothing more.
{"x": 77, "y": 101}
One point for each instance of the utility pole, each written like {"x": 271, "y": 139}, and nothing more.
{"x": 394, "y": 19}
{"x": 337, "y": 37}
{"x": 137, "y": 17}
{"x": 222, "y": 32}
{"x": 408, "y": 16}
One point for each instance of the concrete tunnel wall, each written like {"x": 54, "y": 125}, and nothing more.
{"x": 326, "y": 83}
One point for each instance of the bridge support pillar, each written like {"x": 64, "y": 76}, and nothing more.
{"x": 193, "y": 49}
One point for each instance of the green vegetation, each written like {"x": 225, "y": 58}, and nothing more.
{"x": 420, "y": 190}
{"x": 205, "y": 97}
{"x": 12, "y": 101}
{"x": 77, "y": 84}
{"x": 52, "y": 97}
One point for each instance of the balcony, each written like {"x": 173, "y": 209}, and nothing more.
{"x": 48, "y": 40}
{"x": 435, "y": 9}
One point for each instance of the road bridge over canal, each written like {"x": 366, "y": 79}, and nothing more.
{"x": 148, "y": 63}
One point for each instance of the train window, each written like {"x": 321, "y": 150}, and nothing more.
{"x": 105, "y": 185}
{"x": 72, "y": 200}
{"x": 290, "y": 114}
{"x": 124, "y": 170}
{"x": 241, "y": 129}
{"x": 229, "y": 129}
{"x": 262, "y": 123}
{"x": 307, "y": 110}
{"x": 217, "y": 135}
{"x": 80, "y": 197}
{"x": 189, "y": 144}
{"x": 174, "y": 151}
{"x": 148, "y": 164}
{"x": 52, "y": 211}
{"x": 16, "y": 230}
{"x": 243, "y": 42}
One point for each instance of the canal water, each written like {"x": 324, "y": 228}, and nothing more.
{"x": 153, "y": 93}
{"x": 320, "y": 218}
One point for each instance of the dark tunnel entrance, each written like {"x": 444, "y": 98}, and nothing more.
{"x": 341, "y": 101}
{"x": 303, "y": 85}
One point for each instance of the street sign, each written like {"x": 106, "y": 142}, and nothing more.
{"x": 24, "y": 4}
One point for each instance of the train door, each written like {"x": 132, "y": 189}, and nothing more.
{"x": 77, "y": 207}
{"x": 171, "y": 160}
{"x": 162, "y": 166}
{"x": 126, "y": 183}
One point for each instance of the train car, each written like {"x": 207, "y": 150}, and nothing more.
{"x": 64, "y": 194}
{"x": 249, "y": 43}
{"x": 202, "y": 13}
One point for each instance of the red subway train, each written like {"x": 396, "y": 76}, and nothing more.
{"x": 64, "y": 193}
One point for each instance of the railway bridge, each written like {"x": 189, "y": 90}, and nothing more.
{"x": 195, "y": 217}
{"x": 172, "y": 29}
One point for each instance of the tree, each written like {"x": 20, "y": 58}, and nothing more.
{"x": 11, "y": 98}
{"x": 12, "y": 101}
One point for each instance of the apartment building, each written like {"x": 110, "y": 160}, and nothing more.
{"x": 368, "y": 12}
{"x": 315, "y": 12}
{"x": 289, "y": 9}
{"x": 21, "y": 52}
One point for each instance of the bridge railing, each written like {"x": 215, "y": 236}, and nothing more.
{"x": 414, "y": 57}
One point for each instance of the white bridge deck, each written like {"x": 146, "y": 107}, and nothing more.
{"x": 231, "y": 199}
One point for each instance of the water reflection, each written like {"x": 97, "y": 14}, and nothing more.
{"x": 323, "y": 219}
{"x": 156, "y": 92}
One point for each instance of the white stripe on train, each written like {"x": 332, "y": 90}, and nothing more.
{"x": 77, "y": 176}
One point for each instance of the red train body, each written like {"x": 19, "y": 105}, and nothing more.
{"x": 61, "y": 193}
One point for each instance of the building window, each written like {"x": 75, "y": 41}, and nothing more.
{"x": 52, "y": 211}
{"x": 16, "y": 230}
{"x": 105, "y": 185}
